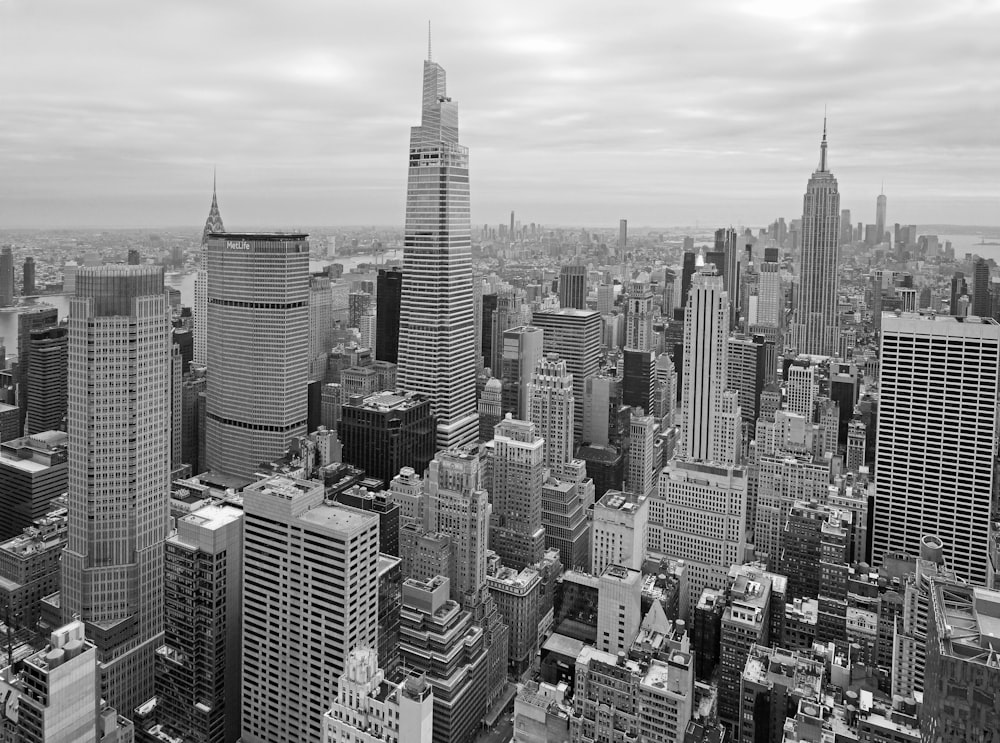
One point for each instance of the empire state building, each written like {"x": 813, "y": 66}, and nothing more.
{"x": 436, "y": 324}
{"x": 815, "y": 330}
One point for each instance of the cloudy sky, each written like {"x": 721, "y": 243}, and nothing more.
{"x": 114, "y": 112}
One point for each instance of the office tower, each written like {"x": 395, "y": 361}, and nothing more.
{"x": 389, "y": 287}
{"x": 301, "y": 622}
{"x": 516, "y": 532}
{"x": 490, "y": 408}
{"x": 575, "y": 335}
{"x": 193, "y": 390}
{"x": 846, "y": 230}
{"x": 386, "y": 431}
{"x": 438, "y": 639}
{"x": 258, "y": 341}
{"x": 622, "y": 237}
{"x": 459, "y": 507}
{"x": 981, "y": 299}
{"x": 816, "y": 546}
{"x": 485, "y": 343}
{"x": 664, "y": 390}
{"x": 34, "y": 318}
{"x": 320, "y": 325}
{"x": 380, "y": 502}
{"x": 880, "y": 219}
{"x": 28, "y": 280}
{"x": 801, "y": 388}
{"x": 688, "y": 269}
{"x": 816, "y": 319}
{"x": 367, "y": 329}
{"x": 511, "y": 311}
{"x": 638, "y": 379}
{"x": 770, "y": 296}
{"x": 573, "y": 286}
{"x": 119, "y": 469}
{"x": 727, "y": 263}
{"x": 618, "y": 533}
{"x": 33, "y": 471}
{"x": 706, "y": 328}
{"x": 436, "y": 344}
{"x": 619, "y": 608}
{"x": 53, "y": 694}
{"x": 521, "y": 351}
{"x": 6, "y": 277}
{"x": 605, "y": 298}
{"x": 517, "y": 594}
{"x": 370, "y": 709}
{"x": 639, "y": 318}
{"x": 962, "y": 673}
{"x": 856, "y": 443}
{"x": 959, "y": 289}
{"x": 938, "y": 386}
{"x": 358, "y": 303}
{"x": 640, "y": 477}
{"x": 552, "y": 408}
{"x": 213, "y": 224}
{"x": 746, "y": 372}
{"x": 566, "y": 502}
{"x": 845, "y": 385}
{"x": 29, "y": 569}
{"x": 698, "y": 514}
{"x": 198, "y": 665}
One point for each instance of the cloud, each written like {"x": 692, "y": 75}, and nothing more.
{"x": 574, "y": 112}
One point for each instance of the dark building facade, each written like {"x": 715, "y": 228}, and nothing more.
{"x": 358, "y": 496}
{"x": 47, "y": 380}
{"x": 28, "y": 281}
{"x": 573, "y": 286}
{"x": 34, "y": 319}
{"x": 638, "y": 378}
{"x": 385, "y": 432}
{"x": 389, "y": 289}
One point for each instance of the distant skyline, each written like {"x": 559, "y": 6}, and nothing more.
{"x": 115, "y": 113}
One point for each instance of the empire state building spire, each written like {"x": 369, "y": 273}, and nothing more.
{"x": 214, "y": 221}
{"x": 822, "y": 149}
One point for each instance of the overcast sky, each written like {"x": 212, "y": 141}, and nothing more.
{"x": 114, "y": 112}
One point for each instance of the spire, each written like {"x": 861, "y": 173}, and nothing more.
{"x": 822, "y": 147}
{"x": 429, "y": 57}
{"x": 214, "y": 221}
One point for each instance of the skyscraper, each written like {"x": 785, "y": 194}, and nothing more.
{"x": 880, "y": 219}
{"x": 938, "y": 386}
{"x": 258, "y": 343}
{"x": 300, "y": 621}
{"x": 437, "y": 347}
{"x": 816, "y": 321}
{"x": 622, "y": 237}
{"x": 573, "y": 286}
{"x": 212, "y": 224}
{"x": 389, "y": 286}
{"x": 119, "y": 470}
{"x": 28, "y": 282}
{"x": 521, "y": 352}
{"x": 706, "y": 326}
{"x": 6, "y": 277}
{"x": 516, "y": 532}
{"x": 47, "y": 379}
{"x": 576, "y": 336}
{"x": 33, "y": 318}
{"x": 552, "y": 408}
{"x": 981, "y": 299}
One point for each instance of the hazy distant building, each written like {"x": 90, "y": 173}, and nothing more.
{"x": 258, "y": 341}
{"x": 28, "y": 277}
{"x": 6, "y": 277}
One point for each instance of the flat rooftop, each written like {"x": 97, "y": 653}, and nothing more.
{"x": 214, "y": 516}
{"x": 339, "y": 518}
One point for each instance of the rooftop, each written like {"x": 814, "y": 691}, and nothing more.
{"x": 341, "y": 518}
{"x": 214, "y": 516}
{"x": 968, "y": 623}
{"x": 616, "y": 500}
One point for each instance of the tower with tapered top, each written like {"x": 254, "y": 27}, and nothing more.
{"x": 437, "y": 348}
{"x": 212, "y": 224}
{"x": 815, "y": 330}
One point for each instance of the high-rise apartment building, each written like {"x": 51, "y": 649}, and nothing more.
{"x": 47, "y": 379}
{"x": 816, "y": 322}
{"x": 516, "y": 532}
{"x": 981, "y": 299}
{"x": 576, "y": 336}
{"x": 573, "y": 286}
{"x": 520, "y": 354}
{"x": 437, "y": 347}
{"x": 213, "y": 224}
{"x": 552, "y": 408}
{"x": 119, "y": 471}
{"x": 622, "y": 237}
{"x": 770, "y": 295}
{"x": 258, "y": 343}
{"x": 939, "y": 378}
{"x": 28, "y": 278}
{"x": 198, "y": 665}
{"x": 301, "y": 622}
{"x": 6, "y": 277}
{"x": 643, "y": 467}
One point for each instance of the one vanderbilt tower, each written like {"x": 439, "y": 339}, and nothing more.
{"x": 436, "y": 327}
